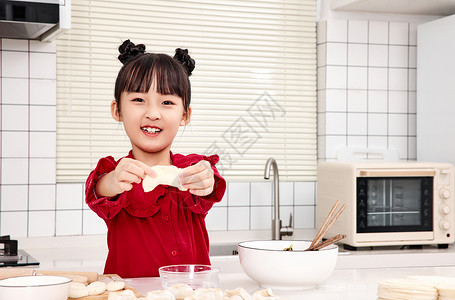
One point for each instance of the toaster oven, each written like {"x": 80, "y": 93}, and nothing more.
{"x": 388, "y": 203}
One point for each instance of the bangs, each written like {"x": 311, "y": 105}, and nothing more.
{"x": 157, "y": 71}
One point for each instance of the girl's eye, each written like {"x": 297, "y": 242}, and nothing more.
{"x": 138, "y": 100}
{"x": 168, "y": 102}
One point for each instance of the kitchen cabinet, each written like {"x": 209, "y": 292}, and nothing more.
{"x": 415, "y": 7}
{"x": 436, "y": 90}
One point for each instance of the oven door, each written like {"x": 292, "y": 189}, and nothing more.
{"x": 387, "y": 204}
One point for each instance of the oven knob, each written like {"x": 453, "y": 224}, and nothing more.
{"x": 444, "y": 225}
{"x": 445, "y": 209}
{"x": 445, "y": 194}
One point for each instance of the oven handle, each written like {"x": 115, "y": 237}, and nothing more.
{"x": 389, "y": 173}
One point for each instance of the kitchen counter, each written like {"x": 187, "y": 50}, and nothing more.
{"x": 343, "y": 284}
{"x": 355, "y": 277}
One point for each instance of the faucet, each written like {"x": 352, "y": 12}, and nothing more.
{"x": 277, "y": 231}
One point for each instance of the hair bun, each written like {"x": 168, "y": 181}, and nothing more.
{"x": 185, "y": 59}
{"x": 129, "y": 50}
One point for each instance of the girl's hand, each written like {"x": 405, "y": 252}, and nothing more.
{"x": 127, "y": 172}
{"x": 198, "y": 178}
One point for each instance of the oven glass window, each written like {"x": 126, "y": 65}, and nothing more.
{"x": 394, "y": 204}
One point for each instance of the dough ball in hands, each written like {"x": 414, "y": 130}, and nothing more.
{"x": 77, "y": 290}
{"x": 180, "y": 291}
{"x": 166, "y": 175}
{"x": 159, "y": 295}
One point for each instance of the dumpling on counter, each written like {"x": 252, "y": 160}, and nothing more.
{"x": 264, "y": 295}
{"x": 77, "y": 290}
{"x": 180, "y": 291}
{"x": 206, "y": 294}
{"x": 113, "y": 283}
{"x": 237, "y": 294}
{"x": 96, "y": 288}
{"x": 122, "y": 295}
{"x": 159, "y": 295}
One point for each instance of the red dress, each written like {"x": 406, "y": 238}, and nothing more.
{"x": 148, "y": 230}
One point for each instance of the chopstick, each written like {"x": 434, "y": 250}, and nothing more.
{"x": 326, "y": 225}
{"x": 328, "y": 242}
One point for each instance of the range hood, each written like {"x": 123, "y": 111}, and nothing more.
{"x": 34, "y": 19}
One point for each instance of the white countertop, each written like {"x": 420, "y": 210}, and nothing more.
{"x": 354, "y": 284}
{"x": 356, "y": 274}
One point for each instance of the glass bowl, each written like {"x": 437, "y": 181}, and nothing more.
{"x": 196, "y": 276}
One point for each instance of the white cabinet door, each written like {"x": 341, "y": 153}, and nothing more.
{"x": 436, "y": 90}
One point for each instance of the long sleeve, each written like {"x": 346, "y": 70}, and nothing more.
{"x": 105, "y": 207}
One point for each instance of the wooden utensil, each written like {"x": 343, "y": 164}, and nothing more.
{"x": 316, "y": 244}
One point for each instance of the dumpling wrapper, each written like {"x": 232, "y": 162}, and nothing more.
{"x": 237, "y": 294}
{"x": 165, "y": 175}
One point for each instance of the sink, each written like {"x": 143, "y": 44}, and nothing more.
{"x": 223, "y": 249}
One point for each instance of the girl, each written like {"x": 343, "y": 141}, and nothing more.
{"x": 165, "y": 226}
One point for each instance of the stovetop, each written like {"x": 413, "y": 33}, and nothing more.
{"x": 21, "y": 259}
{"x": 11, "y": 256}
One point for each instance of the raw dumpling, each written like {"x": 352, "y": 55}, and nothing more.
{"x": 237, "y": 294}
{"x": 264, "y": 295}
{"x": 160, "y": 295}
{"x": 96, "y": 288}
{"x": 113, "y": 283}
{"x": 166, "y": 175}
{"x": 206, "y": 294}
{"x": 180, "y": 291}
{"x": 115, "y": 286}
{"x": 77, "y": 290}
{"x": 122, "y": 295}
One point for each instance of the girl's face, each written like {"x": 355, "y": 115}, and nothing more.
{"x": 151, "y": 120}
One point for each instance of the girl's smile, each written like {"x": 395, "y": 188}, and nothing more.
{"x": 151, "y": 131}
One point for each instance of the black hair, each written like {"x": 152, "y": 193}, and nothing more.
{"x": 140, "y": 70}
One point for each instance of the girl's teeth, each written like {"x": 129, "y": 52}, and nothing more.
{"x": 151, "y": 130}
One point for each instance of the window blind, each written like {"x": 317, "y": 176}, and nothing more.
{"x": 253, "y": 88}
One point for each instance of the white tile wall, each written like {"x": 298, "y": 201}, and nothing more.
{"x": 15, "y": 197}
{"x": 41, "y": 223}
{"x": 68, "y": 222}
{"x": 14, "y": 223}
{"x": 41, "y": 197}
{"x": 368, "y": 98}
{"x": 27, "y": 138}
{"x": 69, "y": 196}
{"x": 14, "y": 91}
{"x": 92, "y": 224}
{"x": 238, "y": 218}
{"x": 15, "y": 144}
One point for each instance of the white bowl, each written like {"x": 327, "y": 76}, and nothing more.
{"x": 267, "y": 263}
{"x": 196, "y": 276}
{"x": 41, "y": 287}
